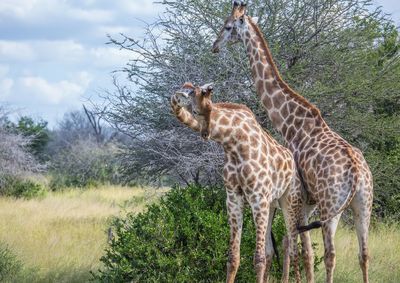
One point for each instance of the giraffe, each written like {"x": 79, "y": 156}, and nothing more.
{"x": 334, "y": 173}
{"x": 257, "y": 170}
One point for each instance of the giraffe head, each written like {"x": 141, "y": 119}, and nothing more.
{"x": 201, "y": 104}
{"x": 234, "y": 27}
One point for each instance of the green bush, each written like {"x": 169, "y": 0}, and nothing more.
{"x": 22, "y": 188}
{"x": 183, "y": 238}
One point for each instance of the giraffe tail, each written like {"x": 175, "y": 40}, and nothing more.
{"x": 354, "y": 186}
{"x": 313, "y": 225}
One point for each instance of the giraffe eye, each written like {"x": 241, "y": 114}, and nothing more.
{"x": 228, "y": 28}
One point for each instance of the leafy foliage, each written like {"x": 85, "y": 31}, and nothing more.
{"x": 183, "y": 238}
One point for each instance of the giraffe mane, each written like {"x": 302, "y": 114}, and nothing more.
{"x": 233, "y": 106}
{"x": 293, "y": 94}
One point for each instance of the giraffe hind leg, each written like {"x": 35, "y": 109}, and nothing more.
{"x": 307, "y": 250}
{"x": 328, "y": 233}
{"x": 361, "y": 207}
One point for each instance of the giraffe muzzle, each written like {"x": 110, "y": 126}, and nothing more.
{"x": 215, "y": 48}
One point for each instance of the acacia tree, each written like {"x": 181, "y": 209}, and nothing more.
{"x": 16, "y": 158}
{"x": 342, "y": 55}
{"x": 82, "y": 151}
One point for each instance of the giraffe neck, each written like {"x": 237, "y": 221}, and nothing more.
{"x": 291, "y": 114}
{"x": 231, "y": 125}
{"x": 221, "y": 122}
{"x": 226, "y": 125}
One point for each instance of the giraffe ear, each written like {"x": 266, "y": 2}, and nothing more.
{"x": 255, "y": 20}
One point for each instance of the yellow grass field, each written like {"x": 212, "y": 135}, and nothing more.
{"x": 61, "y": 237}
{"x": 384, "y": 245}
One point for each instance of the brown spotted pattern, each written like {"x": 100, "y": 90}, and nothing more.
{"x": 257, "y": 171}
{"x": 334, "y": 173}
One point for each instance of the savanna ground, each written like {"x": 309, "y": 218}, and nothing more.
{"x": 61, "y": 237}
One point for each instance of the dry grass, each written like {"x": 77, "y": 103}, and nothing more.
{"x": 63, "y": 235}
{"x": 384, "y": 245}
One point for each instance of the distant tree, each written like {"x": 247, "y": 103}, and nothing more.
{"x": 37, "y": 132}
{"x": 16, "y": 158}
{"x": 83, "y": 151}
{"x": 84, "y": 163}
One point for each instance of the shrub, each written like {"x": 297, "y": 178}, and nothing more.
{"x": 22, "y": 188}
{"x": 183, "y": 238}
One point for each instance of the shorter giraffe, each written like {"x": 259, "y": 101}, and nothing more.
{"x": 257, "y": 170}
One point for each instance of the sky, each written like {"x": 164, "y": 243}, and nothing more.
{"x": 54, "y": 56}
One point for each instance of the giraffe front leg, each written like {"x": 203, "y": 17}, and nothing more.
{"x": 269, "y": 249}
{"x": 234, "y": 203}
{"x": 260, "y": 215}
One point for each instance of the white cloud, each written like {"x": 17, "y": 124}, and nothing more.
{"x": 63, "y": 53}
{"x": 18, "y": 8}
{"x": 6, "y": 83}
{"x": 34, "y": 11}
{"x": 109, "y": 57}
{"x": 62, "y": 92}
{"x": 103, "y": 30}
{"x": 4, "y": 69}
{"x": 91, "y": 16}
{"x": 16, "y": 51}
{"x": 45, "y": 43}
{"x": 142, "y": 8}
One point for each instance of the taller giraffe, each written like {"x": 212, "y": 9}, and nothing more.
{"x": 334, "y": 173}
